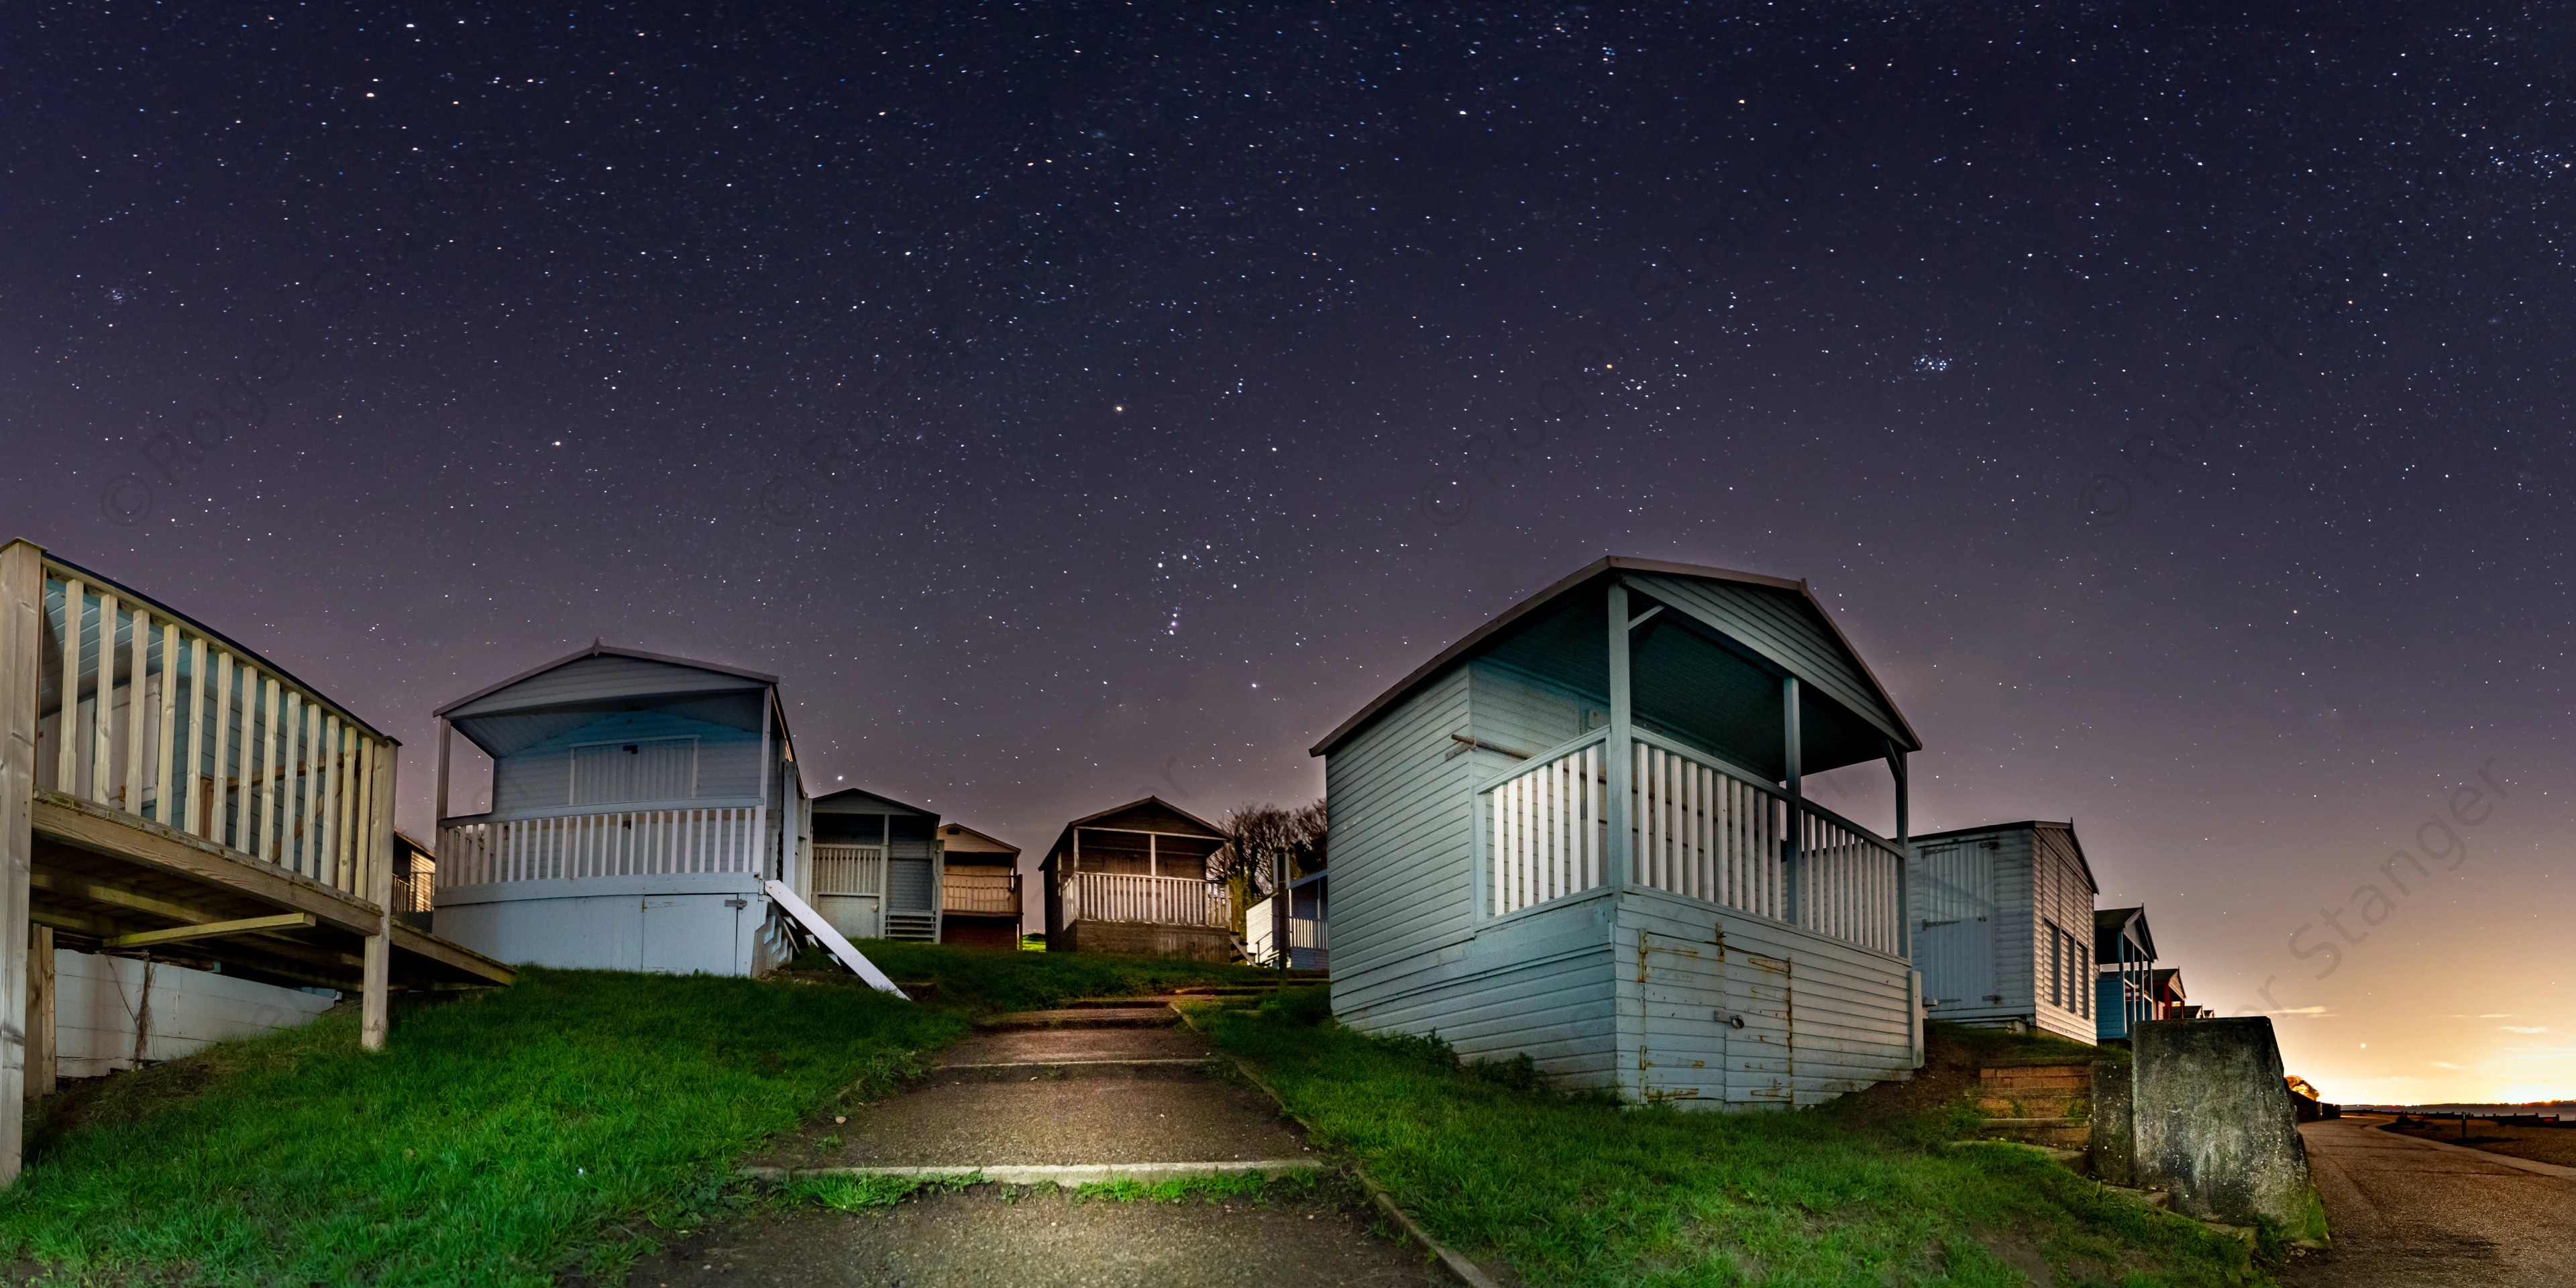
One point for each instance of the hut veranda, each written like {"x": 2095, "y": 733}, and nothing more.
{"x": 1581, "y": 833}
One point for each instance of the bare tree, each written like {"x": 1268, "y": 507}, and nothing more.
{"x": 1266, "y": 847}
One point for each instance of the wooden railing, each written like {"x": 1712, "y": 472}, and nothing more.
{"x": 1545, "y": 834}
{"x": 994, "y": 894}
{"x": 628, "y": 843}
{"x": 1707, "y": 833}
{"x": 1851, "y": 884}
{"x": 149, "y": 713}
{"x": 849, "y": 870}
{"x": 1697, "y": 829}
{"x": 1164, "y": 901}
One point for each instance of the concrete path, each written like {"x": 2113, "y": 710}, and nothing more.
{"x": 1071, "y": 1089}
{"x": 2411, "y": 1214}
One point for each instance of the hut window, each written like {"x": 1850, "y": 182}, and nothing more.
{"x": 652, "y": 769}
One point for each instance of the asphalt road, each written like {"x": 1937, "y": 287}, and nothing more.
{"x": 2410, "y": 1214}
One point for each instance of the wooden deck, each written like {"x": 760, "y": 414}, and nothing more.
{"x": 166, "y": 791}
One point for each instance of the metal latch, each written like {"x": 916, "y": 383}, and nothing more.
{"x": 737, "y": 904}
{"x": 1723, "y": 1017}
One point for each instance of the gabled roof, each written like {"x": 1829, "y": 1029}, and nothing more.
{"x": 2107, "y": 925}
{"x": 599, "y": 649}
{"x": 859, "y": 800}
{"x": 1599, "y": 571}
{"x": 997, "y": 844}
{"x": 2031, "y": 824}
{"x": 1064, "y": 839}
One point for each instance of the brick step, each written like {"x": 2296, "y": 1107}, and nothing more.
{"x": 2056, "y": 1133}
{"x": 2037, "y": 1075}
{"x": 2077, "y": 1108}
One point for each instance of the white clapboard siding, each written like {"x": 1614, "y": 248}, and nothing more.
{"x": 1438, "y": 929}
{"x": 96, "y": 1000}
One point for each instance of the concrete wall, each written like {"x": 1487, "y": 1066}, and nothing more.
{"x": 97, "y": 998}
{"x": 676, "y": 924}
{"x": 2113, "y": 1143}
{"x": 2215, "y": 1126}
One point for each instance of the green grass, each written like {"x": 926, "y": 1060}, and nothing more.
{"x": 552, "y": 1127}
{"x": 549, "y": 1127}
{"x": 1579, "y": 1190}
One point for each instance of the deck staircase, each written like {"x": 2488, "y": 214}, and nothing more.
{"x": 919, "y": 927}
{"x": 2038, "y": 1104}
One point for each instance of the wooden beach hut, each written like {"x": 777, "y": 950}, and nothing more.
{"x": 1134, "y": 879}
{"x": 876, "y": 871}
{"x": 2124, "y": 962}
{"x": 979, "y": 888}
{"x": 639, "y": 803}
{"x": 1580, "y": 833}
{"x": 2003, "y": 927}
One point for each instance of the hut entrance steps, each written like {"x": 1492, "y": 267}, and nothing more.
{"x": 919, "y": 927}
{"x": 2038, "y": 1104}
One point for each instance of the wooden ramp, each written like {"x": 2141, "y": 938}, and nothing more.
{"x": 165, "y": 790}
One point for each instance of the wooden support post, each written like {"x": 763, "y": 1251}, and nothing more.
{"x": 1904, "y": 854}
{"x": 22, "y": 651}
{"x": 1621, "y": 752}
{"x": 40, "y": 1012}
{"x": 1794, "y": 851}
{"x": 375, "y": 1003}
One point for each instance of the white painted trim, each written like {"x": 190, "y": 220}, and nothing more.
{"x": 822, "y": 929}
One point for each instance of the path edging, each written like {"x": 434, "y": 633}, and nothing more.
{"x": 1051, "y": 1173}
{"x": 1468, "y": 1272}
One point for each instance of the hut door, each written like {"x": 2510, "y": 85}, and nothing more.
{"x": 1681, "y": 1050}
{"x": 1954, "y": 938}
{"x": 1761, "y": 1057}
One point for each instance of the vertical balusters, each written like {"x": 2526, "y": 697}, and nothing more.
{"x": 165, "y": 787}
{"x": 219, "y": 787}
{"x": 270, "y": 769}
{"x": 191, "y": 813}
{"x": 362, "y": 812}
{"x": 68, "y": 721}
{"x": 327, "y": 762}
{"x": 102, "y": 722}
{"x": 140, "y": 649}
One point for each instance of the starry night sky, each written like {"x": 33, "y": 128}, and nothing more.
{"x": 1074, "y": 401}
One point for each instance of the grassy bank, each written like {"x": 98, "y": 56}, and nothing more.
{"x": 509, "y": 1138}
{"x": 1581, "y": 1191}
{"x": 500, "y": 1140}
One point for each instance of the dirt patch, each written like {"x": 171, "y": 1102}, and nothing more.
{"x": 1952, "y": 1056}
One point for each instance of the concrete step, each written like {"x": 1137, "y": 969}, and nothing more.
{"x": 1085, "y": 1017}
{"x": 1067, "y": 1047}
{"x": 961, "y": 1118}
